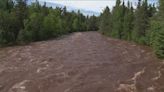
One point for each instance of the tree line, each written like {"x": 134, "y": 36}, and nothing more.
{"x": 143, "y": 24}
{"x": 22, "y": 23}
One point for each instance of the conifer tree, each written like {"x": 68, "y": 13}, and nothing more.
{"x": 128, "y": 22}
{"x": 141, "y": 22}
{"x": 21, "y": 13}
{"x": 7, "y": 22}
{"x": 106, "y": 22}
{"x": 92, "y": 23}
{"x": 34, "y": 22}
{"x": 151, "y": 10}
{"x": 158, "y": 39}
{"x": 117, "y": 19}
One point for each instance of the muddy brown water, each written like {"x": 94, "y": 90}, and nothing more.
{"x": 81, "y": 62}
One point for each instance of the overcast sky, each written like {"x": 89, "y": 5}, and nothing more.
{"x": 94, "y": 5}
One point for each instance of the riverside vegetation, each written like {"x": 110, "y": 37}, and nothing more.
{"x": 143, "y": 24}
{"x": 22, "y": 23}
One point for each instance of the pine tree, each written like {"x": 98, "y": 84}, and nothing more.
{"x": 141, "y": 23}
{"x": 158, "y": 39}
{"x": 45, "y": 10}
{"x": 106, "y": 22}
{"x": 92, "y": 23}
{"x": 7, "y": 22}
{"x": 76, "y": 24}
{"x": 161, "y": 8}
{"x": 7, "y": 28}
{"x": 34, "y": 22}
{"x": 128, "y": 22}
{"x": 117, "y": 19}
{"x": 159, "y": 43}
{"x": 151, "y": 10}
{"x": 21, "y": 13}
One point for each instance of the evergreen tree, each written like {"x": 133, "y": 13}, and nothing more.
{"x": 141, "y": 23}
{"x": 7, "y": 28}
{"x": 151, "y": 10}
{"x": 79, "y": 22}
{"x": 92, "y": 23}
{"x": 21, "y": 13}
{"x": 117, "y": 16}
{"x": 7, "y": 22}
{"x": 38, "y": 22}
{"x": 76, "y": 24}
{"x": 161, "y": 9}
{"x": 45, "y": 10}
{"x": 106, "y": 22}
{"x": 158, "y": 31}
{"x": 128, "y": 22}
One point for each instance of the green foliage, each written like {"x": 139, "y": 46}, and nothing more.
{"x": 117, "y": 19}
{"x": 6, "y": 5}
{"x": 128, "y": 23}
{"x": 22, "y": 23}
{"x": 144, "y": 25}
{"x": 76, "y": 24}
{"x": 151, "y": 10}
{"x": 119, "y": 22}
{"x": 92, "y": 23}
{"x": 161, "y": 8}
{"x": 158, "y": 44}
{"x": 7, "y": 28}
{"x": 106, "y": 22}
{"x": 50, "y": 26}
{"x": 32, "y": 29}
{"x": 157, "y": 31}
{"x": 141, "y": 23}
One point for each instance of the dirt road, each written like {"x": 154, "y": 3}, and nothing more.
{"x": 80, "y": 62}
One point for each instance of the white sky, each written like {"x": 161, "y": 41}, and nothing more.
{"x": 93, "y": 5}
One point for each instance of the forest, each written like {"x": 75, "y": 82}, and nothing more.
{"x": 143, "y": 24}
{"x": 21, "y": 23}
